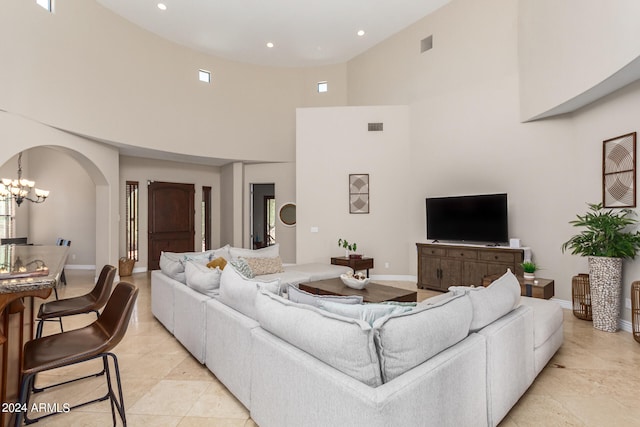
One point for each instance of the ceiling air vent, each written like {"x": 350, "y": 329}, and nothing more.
{"x": 426, "y": 44}
{"x": 375, "y": 127}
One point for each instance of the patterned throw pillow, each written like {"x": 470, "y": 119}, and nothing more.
{"x": 242, "y": 267}
{"x": 260, "y": 266}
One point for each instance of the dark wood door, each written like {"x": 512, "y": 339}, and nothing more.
{"x": 171, "y": 219}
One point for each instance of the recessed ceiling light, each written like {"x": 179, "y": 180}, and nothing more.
{"x": 361, "y": 33}
{"x": 162, "y": 6}
{"x": 270, "y": 45}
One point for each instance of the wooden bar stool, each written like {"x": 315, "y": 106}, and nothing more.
{"x": 81, "y": 345}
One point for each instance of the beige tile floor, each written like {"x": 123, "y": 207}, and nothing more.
{"x": 594, "y": 380}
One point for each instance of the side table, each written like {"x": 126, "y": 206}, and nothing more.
{"x": 356, "y": 264}
{"x": 539, "y": 288}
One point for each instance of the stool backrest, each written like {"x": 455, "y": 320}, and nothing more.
{"x": 102, "y": 289}
{"x": 115, "y": 317}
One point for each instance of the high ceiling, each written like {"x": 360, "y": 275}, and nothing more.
{"x": 303, "y": 32}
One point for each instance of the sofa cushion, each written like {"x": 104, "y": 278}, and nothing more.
{"x": 345, "y": 344}
{"x": 239, "y": 292}
{"x": 492, "y": 302}
{"x": 406, "y": 340}
{"x": 202, "y": 278}
{"x": 171, "y": 265}
{"x": 369, "y": 313}
{"x": 264, "y": 265}
{"x": 547, "y": 318}
{"x": 302, "y": 297}
{"x": 437, "y": 299}
{"x": 268, "y": 252}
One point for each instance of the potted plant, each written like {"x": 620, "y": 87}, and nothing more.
{"x": 529, "y": 267}
{"x": 348, "y": 247}
{"x": 606, "y": 240}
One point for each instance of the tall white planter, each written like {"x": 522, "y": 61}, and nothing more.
{"x": 605, "y": 280}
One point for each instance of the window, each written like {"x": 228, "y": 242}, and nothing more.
{"x": 323, "y": 87}
{"x": 204, "y": 76}
{"x": 270, "y": 220}
{"x": 206, "y": 218}
{"x": 45, "y": 4}
{"x": 131, "y": 215}
{"x": 7, "y": 217}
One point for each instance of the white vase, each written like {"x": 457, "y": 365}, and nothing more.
{"x": 605, "y": 280}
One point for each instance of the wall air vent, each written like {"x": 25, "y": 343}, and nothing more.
{"x": 375, "y": 127}
{"x": 426, "y": 44}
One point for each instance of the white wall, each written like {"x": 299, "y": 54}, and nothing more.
{"x": 144, "y": 170}
{"x": 87, "y": 70}
{"x": 566, "y": 48}
{"x": 466, "y": 136}
{"x": 100, "y": 164}
{"x": 333, "y": 143}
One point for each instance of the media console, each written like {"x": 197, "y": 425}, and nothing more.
{"x": 443, "y": 265}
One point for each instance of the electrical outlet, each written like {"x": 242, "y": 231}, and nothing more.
{"x": 627, "y": 303}
{"x": 73, "y": 256}
{"x": 386, "y": 265}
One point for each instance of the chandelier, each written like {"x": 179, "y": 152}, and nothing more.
{"x": 20, "y": 189}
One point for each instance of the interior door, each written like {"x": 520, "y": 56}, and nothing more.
{"x": 171, "y": 219}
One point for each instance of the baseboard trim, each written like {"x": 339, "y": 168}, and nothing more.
{"x": 624, "y": 325}
{"x": 79, "y": 267}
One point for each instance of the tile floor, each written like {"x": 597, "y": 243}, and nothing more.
{"x": 593, "y": 380}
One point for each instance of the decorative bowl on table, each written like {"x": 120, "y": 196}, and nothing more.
{"x": 355, "y": 281}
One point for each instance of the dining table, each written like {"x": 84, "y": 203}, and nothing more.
{"x": 26, "y": 272}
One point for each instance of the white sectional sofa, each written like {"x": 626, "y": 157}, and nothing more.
{"x": 462, "y": 358}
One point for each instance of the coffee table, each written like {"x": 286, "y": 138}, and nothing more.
{"x": 373, "y": 292}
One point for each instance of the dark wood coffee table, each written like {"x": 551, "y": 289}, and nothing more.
{"x": 373, "y": 292}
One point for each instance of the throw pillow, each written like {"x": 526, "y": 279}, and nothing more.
{"x": 171, "y": 265}
{"x": 260, "y": 266}
{"x": 432, "y": 329}
{"x": 242, "y": 267}
{"x": 302, "y": 297}
{"x": 343, "y": 343}
{"x": 269, "y": 252}
{"x": 366, "y": 312}
{"x": 219, "y": 262}
{"x": 202, "y": 279}
{"x": 201, "y": 257}
{"x": 239, "y": 293}
{"x": 492, "y": 302}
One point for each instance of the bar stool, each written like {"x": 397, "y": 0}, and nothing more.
{"x": 81, "y": 345}
{"x": 93, "y": 301}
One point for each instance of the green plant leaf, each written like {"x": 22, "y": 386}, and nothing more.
{"x": 607, "y": 233}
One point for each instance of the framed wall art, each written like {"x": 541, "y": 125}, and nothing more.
{"x": 359, "y": 193}
{"x": 619, "y": 172}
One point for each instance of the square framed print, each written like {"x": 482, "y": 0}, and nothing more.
{"x": 619, "y": 171}
{"x": 359, "y": 193}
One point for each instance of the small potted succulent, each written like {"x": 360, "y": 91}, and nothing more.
{"x": 529, "y": 267}
{"x": 349, "y": 247}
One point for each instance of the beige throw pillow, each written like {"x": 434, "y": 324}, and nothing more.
{"x": 260, "y": 266}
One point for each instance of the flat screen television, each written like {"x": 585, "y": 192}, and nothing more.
{"x": 475, "y": 219}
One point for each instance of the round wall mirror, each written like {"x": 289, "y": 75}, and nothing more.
{"x": 287, "y": 214}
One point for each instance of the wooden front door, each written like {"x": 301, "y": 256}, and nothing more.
{"x": 171, "y": 220}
